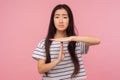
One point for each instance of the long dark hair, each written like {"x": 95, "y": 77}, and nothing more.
{"x": 70, "y": 32}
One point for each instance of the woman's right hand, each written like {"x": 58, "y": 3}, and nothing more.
{"x": 61, "y": 53}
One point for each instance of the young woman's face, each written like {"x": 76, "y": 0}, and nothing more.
{"x": 61, "y": 19}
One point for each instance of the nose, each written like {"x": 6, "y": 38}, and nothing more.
{"x": 60, "y": 20}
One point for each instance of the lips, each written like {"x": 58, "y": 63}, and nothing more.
{"x": 61, "y": 26}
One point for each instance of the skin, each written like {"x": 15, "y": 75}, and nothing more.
{"x": 61, "y": 21}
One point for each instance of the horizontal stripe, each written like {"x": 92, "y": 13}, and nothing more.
{"x": 64, "y": 46}
{"x": 65, "y": 74}
{"x": 66, "y": 71}
{"x": 38, "y": 57}
{"x": 68, "y": 66}
{"x": 39, "y": 54}
{"x": 76, "y": 77}
{"x": 65, "y": 68}
{"x": 39, "y": 51}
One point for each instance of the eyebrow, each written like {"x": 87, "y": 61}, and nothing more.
{"x": 62, "y": 14}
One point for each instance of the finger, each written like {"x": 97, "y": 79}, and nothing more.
{"x": 57, "y": 40}
{"x": 61, "y": 47}
{"x": 61, "y": 51}
{"x": 52, "y": 39}
{"x": 63, "y": 55}
{"x": 61, "y": 44}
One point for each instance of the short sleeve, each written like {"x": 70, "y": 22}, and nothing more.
{"x": 39, "y": 52}
{"x": 83, "y": 48}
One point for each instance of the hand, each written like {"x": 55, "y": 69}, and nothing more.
{"x": 65, "y": 39}
{"x": 61, "y": 54}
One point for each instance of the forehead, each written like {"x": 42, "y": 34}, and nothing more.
{"x": 61, "y": 11}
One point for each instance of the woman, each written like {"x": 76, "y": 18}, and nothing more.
{"x": 59, "y": 55}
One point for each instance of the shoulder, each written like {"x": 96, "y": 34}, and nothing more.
{"x": 41, "y": 42}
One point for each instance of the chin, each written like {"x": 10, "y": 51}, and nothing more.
{"x": 61, "y": 29}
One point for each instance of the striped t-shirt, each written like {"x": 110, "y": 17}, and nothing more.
{"x": 64, "y": 69}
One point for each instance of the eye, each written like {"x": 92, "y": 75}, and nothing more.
{"x": 65, "y": 17}
{"x": 56, "y": 17}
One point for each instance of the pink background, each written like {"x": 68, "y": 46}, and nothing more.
{"x": 24, "y": 22}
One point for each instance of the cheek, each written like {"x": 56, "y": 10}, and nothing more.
{"x": 67, "y": 21}
{"x": 55, "y": 21}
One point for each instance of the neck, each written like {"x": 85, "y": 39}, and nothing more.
{"x": 60, "y": 34}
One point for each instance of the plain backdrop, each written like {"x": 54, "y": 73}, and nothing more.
{"x": 23, "y": 23}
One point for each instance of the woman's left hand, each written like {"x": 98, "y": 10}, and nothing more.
{"x": 65, "y": 39}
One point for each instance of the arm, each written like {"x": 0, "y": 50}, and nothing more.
{"x": 89, "y": 40}
{"x": 43, "y": 67}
